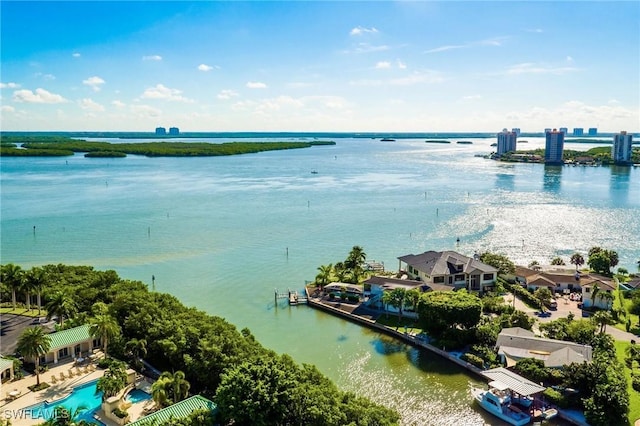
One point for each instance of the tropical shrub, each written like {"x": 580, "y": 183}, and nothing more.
{"x": 473, "y": 359}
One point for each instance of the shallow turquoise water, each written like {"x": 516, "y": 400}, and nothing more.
{"x": 85, "y": 400}
{"x": 216, "y": 231}
{"x": 137, "y": 395}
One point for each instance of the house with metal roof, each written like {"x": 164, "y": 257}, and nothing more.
{"x": 516, "y": 343}
{"x": 449, "y": 268}
{"x": 71, "y": 343}
{"x": 179, "y": 410}
{"x": 513, "y": 381}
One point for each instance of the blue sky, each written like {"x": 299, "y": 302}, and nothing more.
{"x": 320, "y": 66}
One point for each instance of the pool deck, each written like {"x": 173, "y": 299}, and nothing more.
{"x": 60, "y": 389}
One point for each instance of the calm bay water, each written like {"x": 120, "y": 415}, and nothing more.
{"x": 215, "y": 232}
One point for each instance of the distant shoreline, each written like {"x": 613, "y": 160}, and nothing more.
{"x": 298, "y": 135}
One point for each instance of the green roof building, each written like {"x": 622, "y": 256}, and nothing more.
{"x": 71, "y": 343}
{"x": 178, "y": 410}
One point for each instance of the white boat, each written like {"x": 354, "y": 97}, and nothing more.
{"x": 497, "y": 401}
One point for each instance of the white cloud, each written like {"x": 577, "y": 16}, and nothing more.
{"x": 471, "y": 97}
{"x": 39, "y": 96}
{"x": 145, "y": 111}
{"x": 94, "y": 82}
{"x": 367, "y": 48}
{"x": 203, "y": 67}
{"x": 152, "y": 58}
{"x": 531, "y": 68}
{"x": 75, "y": 55}
{"x": 445, "y": 48}
{"x": 9, "y": 85}
{"x": 256, "y": 85}
{"x": 569, "y": 59}
{"x": 418, "y": 77}
{"x": 534, "y": 30}
{"x": 8, "y": 108}
{"x": 362, "y": 30}
{"x": 494, "y": 41}
{"x": 90, "y": 105}
{"x": 576, "y": 112}
{"x": 227, "y": 94}
{"x": 164, "y": 93}
{"x": 383, "y": 65}
{"x": 401, "y": 65}
{"x": 118, "y": 104}
{"x": 47, "y": 77}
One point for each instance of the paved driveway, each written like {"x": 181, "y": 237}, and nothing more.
{"x": 566, "y": 306}
{"x": 11, "y": 327}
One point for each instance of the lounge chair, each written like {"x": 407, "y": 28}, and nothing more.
{"x": 62, "y": 376}
{"x": 85, "y": 370}
{"x": 78, "y": 371}
{"x": 53, "y": 379}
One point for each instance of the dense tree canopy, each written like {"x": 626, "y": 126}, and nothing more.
{"x": 442, "y": 310}
{"x": 274, "y": 390}
{"x": 206, "y": 348}
{"x": 602, "y": 260}
{"x": 502, "y": 263}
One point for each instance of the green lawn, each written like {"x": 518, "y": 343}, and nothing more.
{"x": 634, "y": 396}
{"x": 635, "y": 319}
{"x": 23, "y": 311}
{"x": 392, "y": 321}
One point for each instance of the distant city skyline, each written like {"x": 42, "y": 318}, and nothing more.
{"x": 320, "y": 66}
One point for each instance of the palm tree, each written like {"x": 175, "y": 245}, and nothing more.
{"x": 595, "y": 291}
{"x": 12, "y": 277}
{"x": 339, "y": 271}
{"x": 577, "y": 259}
{"x": 170, "y": 388}
{"x": 179, "y": 389}
{"x": 105, "y": 327}
{"x": 386, "y": 301}
{"x": 557, "y": 261}
{"x": 602, "y": 319}
{"x": 37, "y": 278}
{"x": 113, "y": 380}
{"x": 160, "y": 391}
{"x": 34, "y": 343}
{"x": 324, "y": 276}
{"x": 356, "y": 257}
{"x": 136, "y": 349}
{"x": 61, "y": 304}
{"x": 27, "y": 287}
{"x": 413, "y": 297}
{"x": 397, "y": 299}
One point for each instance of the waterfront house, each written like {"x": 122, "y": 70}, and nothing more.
{"x": 449, "y": 268}
{"x": 602, "y": 297}
{"x": 516, "y": 343}
{"x": 633, "y": 284}
{"x": 68, "y": 344}
{"x": 568, "y": 280}
{"x": 379, "y": 284}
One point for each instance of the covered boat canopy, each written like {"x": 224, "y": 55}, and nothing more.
{"x": 512, "y": 381}
{"x": 498, "y": 385}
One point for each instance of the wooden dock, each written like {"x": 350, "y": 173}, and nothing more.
{"x": 292, "y": 296}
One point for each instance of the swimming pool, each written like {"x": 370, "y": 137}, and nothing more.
{"x": 137, "y": 395}
{"x": 83, "y": 398}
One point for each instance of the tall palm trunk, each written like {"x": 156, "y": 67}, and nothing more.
{"x": 39, "y": 303}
